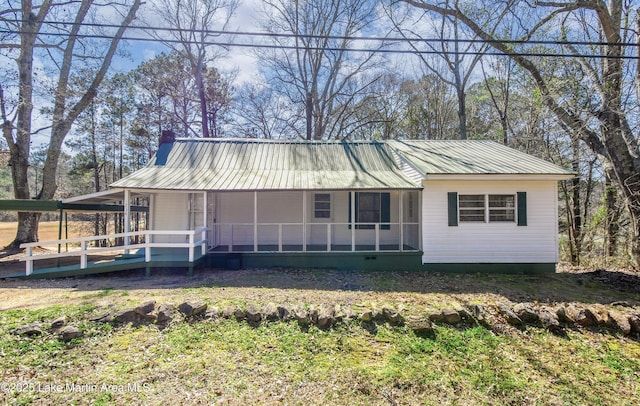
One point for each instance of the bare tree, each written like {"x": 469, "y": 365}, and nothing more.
{"x": 312, "y": 67}
{"x": 259, "y": 113}
{"x": 194, "y": 25}
{"x": 607, "y": 126}
{"x": 452, "y": 59}
{"x": 61, "y": 48}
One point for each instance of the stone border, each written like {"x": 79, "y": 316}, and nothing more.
{"x": 497, "y": 317}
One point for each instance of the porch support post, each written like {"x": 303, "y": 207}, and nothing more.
{"x": 205, "y": 217}
{"x": 304, "y": 221}
{"x": 255, "y": 221}
{"x": 401, "y": 218}
{"x": 353, "y": 220}
{"x": 205, "y": 203}
{"x": 127, "y": 218}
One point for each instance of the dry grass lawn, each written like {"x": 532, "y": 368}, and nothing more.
{"x": 230, "y": 362}
{"x": 47, "y": 230}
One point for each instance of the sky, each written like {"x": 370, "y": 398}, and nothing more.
{"x": 238, "y": 60}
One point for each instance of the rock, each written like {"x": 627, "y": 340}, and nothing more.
{"x": 392, "y": 317}
{"x": 301, "y": 315}
{"x": 252, "y": 313}
{"x": 239, "y": 314}
{"x": 270, "y": 312}
{"x": 450, "y": 316}
{"x": 509, "y": 315}
{"x": 284, "y": 312}
{"x": 313, "y": 315}
{"x": 465, "y": 315}
{"x": 478, "y": 312}
{"x": 634, "y": 323}
{"x": 228, "y": 312}
{"x": 325, "y": 317}
{"x": 620, "y": 322}
{"x": 585, "y": 318}
{"x": 564, "y": 316}
{"x": 58, "y": 323}
{"x": 366, "y": 315}
{"x": 550, "y": 320}
{"x": 68, "y": 333}
{"x": 602, "y": 317}
{"x": 190, "y": 309}
{"x": 103, "y": 318}
{"x": 436, "y": 317}
{"x": 420, "y": 325}
{"x": 526, "y": 313}
{"x": 126, "y": 316}
{"x": 165, "y": 313}
{"x": 29, "y": 330}
{"x": 145, "y": 308}
{"x": 212, "y": 313}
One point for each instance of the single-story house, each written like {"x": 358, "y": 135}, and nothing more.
{"x": 393, "y": 204}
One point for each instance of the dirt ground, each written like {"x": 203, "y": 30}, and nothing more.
{"x": 403, "y": 289}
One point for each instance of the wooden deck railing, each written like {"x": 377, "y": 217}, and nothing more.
{"x": 87, "y": 249}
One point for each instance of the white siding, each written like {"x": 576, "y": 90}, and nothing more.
{"x": 171, "y": 212}
{"x": 490, "y": 242}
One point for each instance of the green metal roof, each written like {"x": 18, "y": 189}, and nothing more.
{"x": 233, "y": 164}
{"x": 244, "y": 165}
{"x": 472, "y": 157}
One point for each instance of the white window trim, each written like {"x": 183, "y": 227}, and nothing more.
{"x": 487, "y": 209}
{"x": 330, "y": 210}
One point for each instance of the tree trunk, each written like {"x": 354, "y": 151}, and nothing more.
{"x": 63, "y": 115}
{"x": 612, "y": 226}
{"x": 309, "y": 115}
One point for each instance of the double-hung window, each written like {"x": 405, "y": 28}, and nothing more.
{"x": 481, "y": 208}
{"x": 322, "y": 205}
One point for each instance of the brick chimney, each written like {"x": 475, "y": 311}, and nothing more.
{"x": 167, "y": 137}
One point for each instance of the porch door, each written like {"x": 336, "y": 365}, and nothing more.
{"x": 197, "y": 215}
{"x": 214, "y": 233}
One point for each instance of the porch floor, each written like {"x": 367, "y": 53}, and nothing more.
{"x": 160, "y": 257}
{"x": 311, "y": 248}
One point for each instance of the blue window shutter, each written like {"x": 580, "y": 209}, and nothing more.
{"x": 385, "y": 210}
{"x": 453, "y": 208}
{"x": 522, "y": 208}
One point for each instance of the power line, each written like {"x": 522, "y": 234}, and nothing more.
{"x": 340, "y": 37}
{"x": 229, "y": 44}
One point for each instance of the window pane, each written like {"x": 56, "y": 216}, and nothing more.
{"x": 471, "y": 201}
{"x": 472, "y": 215}
{"x": 502, "y": 207}
{"x": 471, "y": 208}
{"x": 322, "y": 205}
{"x": 502, "y": 201}
{"x": 501, "y": 215}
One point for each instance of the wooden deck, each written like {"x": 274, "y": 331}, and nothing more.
{"x": 160, "y": 258}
